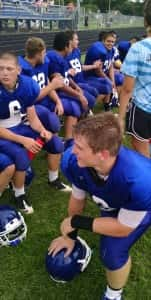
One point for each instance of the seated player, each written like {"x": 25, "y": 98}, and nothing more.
{"x": 104, "y": 51}
{"x": 74, "y": 62}
{"x": 75, "y": 101}
{"x": 35, "y": 65}
{"x": 17, "y": 93}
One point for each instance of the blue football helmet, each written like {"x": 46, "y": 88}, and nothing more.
{"x": 12, "y": 226}
{"x": 63, "y": 269}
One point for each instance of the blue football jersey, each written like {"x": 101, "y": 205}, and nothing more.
{"x": 74, "y": 61}
{"x": 123, "y": 47}
{"x": 98, "y": 51}
{"x": 39, "y": 73}
{"x": 128, "y": 184}
{"x": 57, "y": 63}
{"x": 13, "y": 103}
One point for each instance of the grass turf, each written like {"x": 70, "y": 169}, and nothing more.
{"x": 22, "y": 269}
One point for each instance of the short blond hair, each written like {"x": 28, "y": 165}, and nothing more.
{"x": 33, "y": 46}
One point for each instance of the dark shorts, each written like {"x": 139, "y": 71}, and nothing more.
{"x": 138, "y": 122}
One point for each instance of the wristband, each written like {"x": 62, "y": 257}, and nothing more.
{"x": 73, "y": 234}
{"x": 82, "y": 222}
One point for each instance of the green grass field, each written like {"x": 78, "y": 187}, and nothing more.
{"x": 22, "y": 269}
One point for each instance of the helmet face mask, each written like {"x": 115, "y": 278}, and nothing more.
{"x": 63, "y": 269}
{"x": 13, "y": 229}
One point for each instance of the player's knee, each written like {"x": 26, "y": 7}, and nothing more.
{"x": 49, "y": 120}
{"x": 10, "y": 170}
{"x": 112, "y": 259}
{"x": 54, "y": 123}
{"x": 55, "y": 145}
{"x": 119, "y": 79}
{"x": 22, "y": 160}
{"x": 76, "y": 110}
{"x": 91, "y": 100}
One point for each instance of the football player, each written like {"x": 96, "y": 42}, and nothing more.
{"x": 108, "y": 79}
{"x": 74, "y": 62}
{"x": 75, "y": 100}
{"x": 35, "y": 65}
{"x": 118, "y": 180}
{"x": 17, "y": 93}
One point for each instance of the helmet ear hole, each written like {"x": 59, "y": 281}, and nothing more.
{"x": 13, "y": 228}
{"x": 64, "y": 269}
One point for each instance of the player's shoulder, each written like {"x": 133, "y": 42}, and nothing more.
{"x": 24, "y": 63}
{"x": 77, "y": 52}
{"x": 52, "y": 54}
{"x": 132, "y": 163}
{"x": 27, "y": 84}
{"x": 68, "y": 160}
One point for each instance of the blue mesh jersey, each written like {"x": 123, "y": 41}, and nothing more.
{"x": 123, "y": 47}
{"x": 137, "y": 64}
{"x": 57, "y": 63}
{"x": 39, "y": 73}
{"x": 12, "y": 103}
{"x": 128, "y": 185}
{"x": 98, "y": 51}
{"x": 74, "y": 61}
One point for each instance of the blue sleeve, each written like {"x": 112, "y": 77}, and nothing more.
{"x": 31, "y": 92}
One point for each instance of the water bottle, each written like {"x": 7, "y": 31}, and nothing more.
{"x": 41, "y": 142}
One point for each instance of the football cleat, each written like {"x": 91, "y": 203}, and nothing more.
{"x": 60, "y": 186}
{"x": 23, "y": 204}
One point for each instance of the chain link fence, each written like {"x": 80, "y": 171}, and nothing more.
{"x": 113, "y": 19}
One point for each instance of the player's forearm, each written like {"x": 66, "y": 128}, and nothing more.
{"x": 53, "y": 95}
{"x": 75, "y": 206}
{"x": 9, "y": 135}
{"x": 110, "y": 227}
{"x": 71, "y": 92}
{"x": 36, "y": 124}
{"x": 44, "y": 92}
{"x": 88, "y": 67}
{"x": 111, "y": 75}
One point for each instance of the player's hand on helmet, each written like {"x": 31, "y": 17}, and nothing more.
{"x": 31, "y": 145}
{"x": 59, "y": 109}
{"x": 83, "y": 101}
{"x": 62, "y": 242}
{"x": 57, "y": 82}
{"x": 46, "y": 135}
{"x": 66, "y": 227}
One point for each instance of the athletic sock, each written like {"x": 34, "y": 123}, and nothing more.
{"x": 53, "y": 175}
{"x": 19, "y": 191}
{"x": 113, "y": 294}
